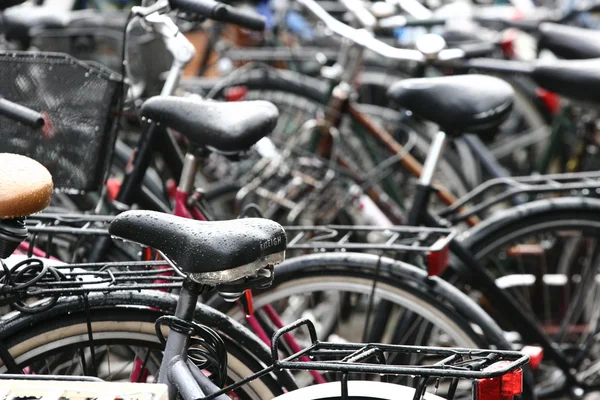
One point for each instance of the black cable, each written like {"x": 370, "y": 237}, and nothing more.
{"x": 122, "y": 98}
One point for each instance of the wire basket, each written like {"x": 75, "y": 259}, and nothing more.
{"x": 78, "y": 102}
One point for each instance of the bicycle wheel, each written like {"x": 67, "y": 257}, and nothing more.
{"x": 546, "y": 255}
{"x": 122, "y": 346}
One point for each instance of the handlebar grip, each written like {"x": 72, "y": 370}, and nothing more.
{"x": 478, "y": 49}
{"x": 22, "y": 114}
{"x": 530, "y": 26}
{"x": 221, "y": 12}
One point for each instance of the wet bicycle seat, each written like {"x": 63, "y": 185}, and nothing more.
{"x": 458, "y": 104}
{"x": 227, "y": 127}
{"x": 575, "y": 79}
{"x": 569, "y": 42}
{"x": 210, "y": 252}
{"x": 25, "y": 186}
{"x": 17, "y": 22}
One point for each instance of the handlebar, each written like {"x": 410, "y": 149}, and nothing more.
{"x": 367, "y": 40}
{"x": 221, "y": 12}
{"x": 22, "y": 114}
{"x": 363, "y": 16}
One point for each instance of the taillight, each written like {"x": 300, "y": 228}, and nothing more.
{"x": 236, "y": 93}
{"x": 536, "y": 355}
{"x": 504, "y": 387}
{"x": 507, "y": 43}
{"x": 113, "y": 186}
{"x": 438, "y": 261}
{"x": 550, "y": 99}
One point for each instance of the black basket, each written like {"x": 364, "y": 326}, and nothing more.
{"x": 78, "y": 102}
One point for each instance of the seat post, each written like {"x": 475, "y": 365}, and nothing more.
{"x": 433, "y": 158}
{"x": 423, "y": 190}
{"x": 188, "y": 173}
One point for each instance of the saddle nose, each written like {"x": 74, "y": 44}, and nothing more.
{"x": 25, "y": 186}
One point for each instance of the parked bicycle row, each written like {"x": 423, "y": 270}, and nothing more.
{"x": 437, "y": 200}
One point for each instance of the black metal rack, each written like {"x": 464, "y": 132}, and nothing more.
{"x": 373, "y": 359}
{"x": 37, "y": 280}
{"x": 361, "y": 238}
{"x": 581, "y": 184}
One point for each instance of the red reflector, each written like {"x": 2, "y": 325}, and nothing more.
{"x": 438, "y": 261}
{"x": 171, "y": 188}
{"x": 512, "y": 383}
{"x": 536, "y": 355}
{"x": 507, "y": 43}
{"x": 550, "y": 99}
{"x": 236, "y": 93}
{"x": 112, "y": 188}
{"x": 501, "y": 388}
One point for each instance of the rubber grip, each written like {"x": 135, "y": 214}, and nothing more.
{"x": 218, "y": 11}
{"x": 22, "y": 114}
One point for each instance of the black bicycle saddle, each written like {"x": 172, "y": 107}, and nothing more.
{"x": 575, "y": 79}
{"x": 228, "y": 127}
{"x": 569, "y": 42}
{"x": 458, "y": 104}
{"x": 203, "y": 248}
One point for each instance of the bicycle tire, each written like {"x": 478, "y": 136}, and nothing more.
{"x": 30, "y": 338}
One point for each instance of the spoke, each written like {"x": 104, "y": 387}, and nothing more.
{"x": 144, "y": 364}
{"x": 576, "y": 305}
{"x": 82, "y": 360}
{"x": 108, "y": 361}
{"x": 545, "y": 288}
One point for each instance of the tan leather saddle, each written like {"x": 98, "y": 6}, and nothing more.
{"x": 25, "y": 186}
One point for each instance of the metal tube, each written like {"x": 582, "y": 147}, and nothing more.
{"x": 433, "y": 157}
{"x": 177, "y": 344}
{"x": 188, "y": 173}
{"x": 183, "y": 380}
{"x": 205, "y": 384}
